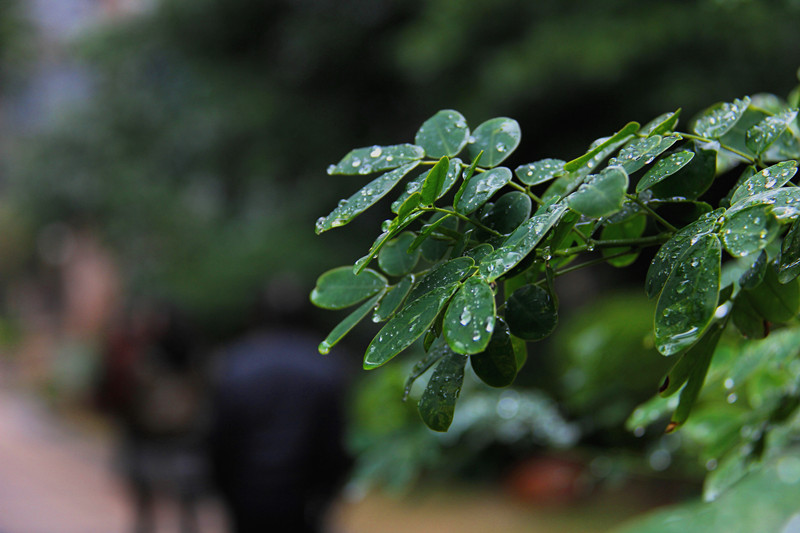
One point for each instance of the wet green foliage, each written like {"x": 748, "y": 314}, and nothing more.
{"x": 469, "y": 260}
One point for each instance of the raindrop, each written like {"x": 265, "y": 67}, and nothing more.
{"x": 331, "y": 169}
{"x": 356, "y": 163}
{"x": 465, "y": 318}
{"x": 638, "y": 431}
{"x": 732, "y": 397}
{"x": 324, "y": 348}
{"x": 711, "y": 464}
{"x": 500, "y": 147}
{"x": 376, "y": 152}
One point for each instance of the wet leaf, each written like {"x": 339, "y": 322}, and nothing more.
{"x": 436, "y": 351}
{"x": 470, "y": 317}
{"x": 438, "y": 403}
{"x": 406, "y": 327}
{"x": 444, "y": 134}
{"x": 747, "y": 320}
{"x": 496, "y": 138}
{"x": 766, "y": 132}
{"x": 664, "y": 168}
{"x": 396, "y": 227}
{"x": 669, "y": 253}
{"x": 769, "y": 178}
{"x": 432, "y": 246}
{"x": 630, "y": 228}
{"x": 394, "y": 258}
{"x": 692, "y": 179}
{"x": 377, "y": 159}
{"x": 717, "y": 120}
{"x": 689, "y": 298}
{"x": 699, "y": 360}
{"x": 789, "y": 264}
{"x": 497, "y": 365}
{"x": 784, "y": 203}
{"x": 601, "y": 194}
{"x": 340, "y": 287}
{"x": 481, "y": 187}
{"x": 540, "y": 171}
{"x": 531, "y": 313}
{"x": 443, "y": 275}
{"x": 775, "y": 301}
{"x": 348, "y": 209}
{"x": 749, "y": 230}
{"x": 520, "y": 243}
{"x": 344, "y": 327}
{"x": 393, "y": 299}
{"x": 590, "y": 158}
{"x": 754, "y": 275}
{"x": 434, "y": 181}
{"x": 508, "y": 212}
{"x": 662, "y": 124}
{"x": 642, "y": 151}
{"x": 415, "y": 185}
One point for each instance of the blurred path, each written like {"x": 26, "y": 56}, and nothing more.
{"x": 56, "y": 479}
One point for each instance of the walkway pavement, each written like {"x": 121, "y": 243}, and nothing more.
{"x": 55, "y": 478}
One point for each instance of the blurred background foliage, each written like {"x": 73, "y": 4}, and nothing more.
{"x": 197, "y": 154}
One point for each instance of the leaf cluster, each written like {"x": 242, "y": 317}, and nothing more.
{"x": 467, "y": 263}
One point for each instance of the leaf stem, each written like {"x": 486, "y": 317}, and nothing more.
{"x": 651, "y": 212}
{"x": 732, "y": 150}
{"x": 527, "y": 191}
{"x": 639, "y": 242}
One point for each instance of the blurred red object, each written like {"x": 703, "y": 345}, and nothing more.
{"x": 547, "y": 480}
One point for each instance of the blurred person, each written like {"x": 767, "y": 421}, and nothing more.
{"x": 277, "y": 449}
{"x": 152, "y": 385}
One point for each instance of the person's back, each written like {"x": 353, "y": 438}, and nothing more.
{"x": 277, "y": 439}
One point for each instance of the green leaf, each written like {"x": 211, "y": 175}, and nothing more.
{"x": 769, "y": 178}
{"x": 393, "y": 299}
{"x": 496, "y": 138}
{"x": 754, "y": 275}
{"x": 630, "y": 228}
{"x": 433, "y": 247}
{"x": 784, "y": 203}
{"x": 766, "y": 132}
{"x": 540, "y": 171}
{"x": 395, "y": 227}
{"x": 789, "y": 264}
{"x": 520, "y": 243}
{"x": 691, "y": 180}
{"x": 601, "y": 194}
{"x": 344, "y": 327}
{"x": 377, "y": 159}
{"x": 437, "y": 350}
{"x": 662, "y": 124}
{"x": 481, "y": 187}
{"x": 749, "y": 230}
{"x": 434, "y": 181}
{"x": 775, "y": 301}
{"x": 443, "y": 275}
{"x": 689, "y": 299}
{"x": 348, "y": 209}
{"x": 671, "y": 251}
{"x": 415, "y": 185}
{"x": 717, "y": 120}
{"x": 438, "y": 403}
{"x": 444, "y": 134}
{"x": 406, "y": 327}
{"x": 598, "y": 153}
{"x": 664, "y": 168}
{"x": 642, "y": 151}
{"x": 508, "y": 212}
{"x": 469, "y": 320}
{"x": 699, "y": 358}
{"x": 531, "y": 313}
{"x": 747, "y": 320}
{"x": 497, "y": 366}
{"x": 468, "y": 174}
{"x": 394, "y": 258}
{"x": 340, "y": 287}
